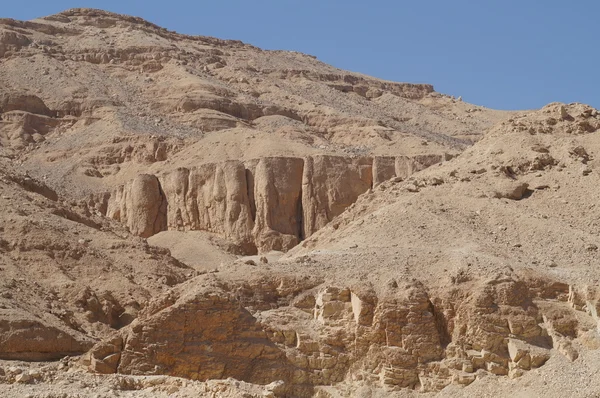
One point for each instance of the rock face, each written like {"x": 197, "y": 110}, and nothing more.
{"x": 23, "y": 102}
{"x": 195, "y": 335}
{"x": 407, "y": 165}
{"x": 212, "y": 197}
{"x": 141, "y": 205}
{"x": 277, "y": 197}
{"x": 267, "y": 204}
{"x": 25, "y": 338}
{"x": 64, "y": 279}
{"x": 482, "y": 266}
{"x": 273, "y": 328}
{"x": 201, "y": 333}
{"x": 330, "y": 185}
{"x": 384, "y": 168}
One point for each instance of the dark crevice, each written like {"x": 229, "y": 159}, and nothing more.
{"x": 250, "y": 194}
{"x": 300, "y": 217}
{"x": 441, "y": 324}
{"x": 160, "y": 222}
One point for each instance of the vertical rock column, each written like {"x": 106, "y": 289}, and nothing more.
{"x": 141, "y": 204}
{"x": 384, "y": 168}
{"x": 329, "y": 185}
{"x": 217, "y": 201}
{"x": 176, "y": 186}
{"x": 278, "y": 202}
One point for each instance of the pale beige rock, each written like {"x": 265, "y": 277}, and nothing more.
{"x": 526, "y": 355}
{"x": 514, "y": 190}
{"x": 215, "y": 199}
{"x": 329, "y": 186}
{"x": 278, "y": 203}
{"x": 566, "y": 348}
{"x": 420, "y": 284}
{"x": 266, "y": 204}
{"x": 384, "y": 168}
{"x": 216, "y": 339}
{"x": 408, "y": 165}
{"x": 141, "y": 204}
{"x": 23, "y": 102}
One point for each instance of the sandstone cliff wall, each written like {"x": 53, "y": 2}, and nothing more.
{"x": 331, "y": 184}
{"x": 260, "y": 205}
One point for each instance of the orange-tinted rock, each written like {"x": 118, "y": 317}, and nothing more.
{"x": 27, "y": 338}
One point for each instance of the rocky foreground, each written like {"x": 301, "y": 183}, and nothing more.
{"x": 199, "y": 217}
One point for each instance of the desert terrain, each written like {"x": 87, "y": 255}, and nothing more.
{"x": 195, "y": 217}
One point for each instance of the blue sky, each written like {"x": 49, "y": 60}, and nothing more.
{"x": 504, "y": 54}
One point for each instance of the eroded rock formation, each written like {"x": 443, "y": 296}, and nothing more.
{"x": 398, "y": 278}
{"x": 329, "y": 186}
{"x": 141, "y": 205}
{"x": 305, "y": 333}
{"x": 267, "y": 204}
{"x": 28, "y": 338}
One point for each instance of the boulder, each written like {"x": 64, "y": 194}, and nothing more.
{"x": 28, "y": 338}
{"x": 509, "y": 189}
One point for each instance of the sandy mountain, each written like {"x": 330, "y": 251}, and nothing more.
{"x": 198, "y": 216}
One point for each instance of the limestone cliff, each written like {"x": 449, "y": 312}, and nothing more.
{"x": 271, "y": 203}
{"x": 141, "y": 205}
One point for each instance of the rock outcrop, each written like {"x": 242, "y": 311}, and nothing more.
{"x": 398, "y": 277}
{"x": 23, "y": 102}
{"x": 273, "y": 328}
{"x": 204, "y": 336}
{"x": 277, "y": 197}
{"x": 330, "y": 185}
{"x": 260, "y": 205}
{"x": 212, "y": 197}
{"x": 27, "y": 338}
{"x": 141, "y": 205}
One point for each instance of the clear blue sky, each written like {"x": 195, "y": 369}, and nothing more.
{"x": 506, "y": 54}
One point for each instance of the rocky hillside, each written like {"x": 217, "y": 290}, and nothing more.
{"x": 472, "y": 273}
{"x": 183, "y": 214}
{"x": 90, "y": 100}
